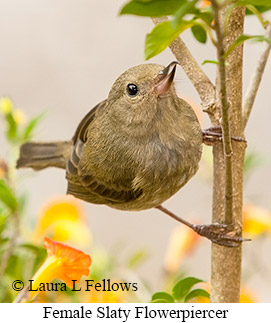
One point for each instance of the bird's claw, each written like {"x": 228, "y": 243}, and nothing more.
{"x": 222, "y": 234}
{"x": 214, "y": 134}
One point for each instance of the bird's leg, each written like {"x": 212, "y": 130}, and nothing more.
{"x": 222, "y": 234}
{"x": 214, "y": 134}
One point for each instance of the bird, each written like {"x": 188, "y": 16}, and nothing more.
{"x": 133, "y": 150}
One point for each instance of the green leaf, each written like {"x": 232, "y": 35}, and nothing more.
{"x": 3, "y": 242}
{"x": 159, "y": 301}
{"x": 12, "y": 266}
{"x": 151, "y": 8}
{"x": 265, "y": 3}
{"x": 199, "y": 33}
{"x": 22, "y": 200}
{"x": 137, "y": 258}
{"x": 162, "y": 36}
{"x": 182, "y": 287}
{"x": 3, "y": 218}
{"x": 29, "y": 252}
{"x": 7, "y": 197}
{"x": 186, "y": 7}
{"x": 196, "y": 293}
{"x": 261, "y": 9}
{"x": 252, "y": 161}
{"x": 12, "y": 126}
{"x": 162, "y": 297}
{"x": 28, "y": 132}
{"x": 242, "y": 39}
{"x": 260, "y": 5}
{"x": 256, "y": 12}
{"x": 206, "y": 16}
{"x": 29, "y": 246}
{"x": 207, "y": 61}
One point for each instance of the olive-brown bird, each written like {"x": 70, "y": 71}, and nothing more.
{"x": 133, "y": 150}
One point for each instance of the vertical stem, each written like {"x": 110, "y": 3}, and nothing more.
{"x": 226, "y": 262}
{"x": 224, "y": 105}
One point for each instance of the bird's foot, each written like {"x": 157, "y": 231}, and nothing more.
{"x": 214, "y": 134}
{"x": 222, "y": 234}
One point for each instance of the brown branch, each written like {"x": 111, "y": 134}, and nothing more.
{"x": 226, "y": 262}
{"x": 199, "y": 79}
{"x": 256, "y": 78}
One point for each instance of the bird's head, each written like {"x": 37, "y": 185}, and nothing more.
{"x": 141, "y": 91}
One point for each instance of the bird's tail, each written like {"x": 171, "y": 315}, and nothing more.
{"x": 42, "y": 155}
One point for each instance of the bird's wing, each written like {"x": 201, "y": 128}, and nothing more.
{"x": 86, "y": 186}
{"x": 81, "y": 131}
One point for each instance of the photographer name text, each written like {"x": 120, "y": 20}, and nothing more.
{"x": 89, "y": 285}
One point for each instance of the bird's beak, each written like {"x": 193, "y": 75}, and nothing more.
{"x": 165, "y": 78}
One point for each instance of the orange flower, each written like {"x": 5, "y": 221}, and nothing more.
{"x": 182, "y": 241}
{"x": 63, "y": 219}
{"x": 256, "y": 220}
{"x": 63, "y": 262}
{"x": 205, "y": 3}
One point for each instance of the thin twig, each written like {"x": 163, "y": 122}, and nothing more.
{"x": 225, "y": 116}
{"x": 256, "y": 78}
{"x": 199, "y": 79}
{"x": 21, "y": 295}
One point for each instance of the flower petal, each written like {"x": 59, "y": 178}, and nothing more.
{"x": 256, "y": 220}
{"x": 182, "y": 241}
{"x": 63, "y": 219}
{"x": 63, "y": 262}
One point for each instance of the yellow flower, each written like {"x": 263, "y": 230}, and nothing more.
{"x": 247, "y": 295}
{"x": 63, "y": 219}
{"x": 105, "y": 297}
{"x": 19, "y": 116}
{"x": 256, "y": 220}
{"x": 182, "y": 241}
{"x": 63, "y": 262}
{"x": 101, "y": 296}
{"x": 6, "y": 105}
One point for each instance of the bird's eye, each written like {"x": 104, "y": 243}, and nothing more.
{"x": 132, "y": 89}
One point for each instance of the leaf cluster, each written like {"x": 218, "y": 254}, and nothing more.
{"x": 195, "y": 15}
{"x": 181, "y": 292}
